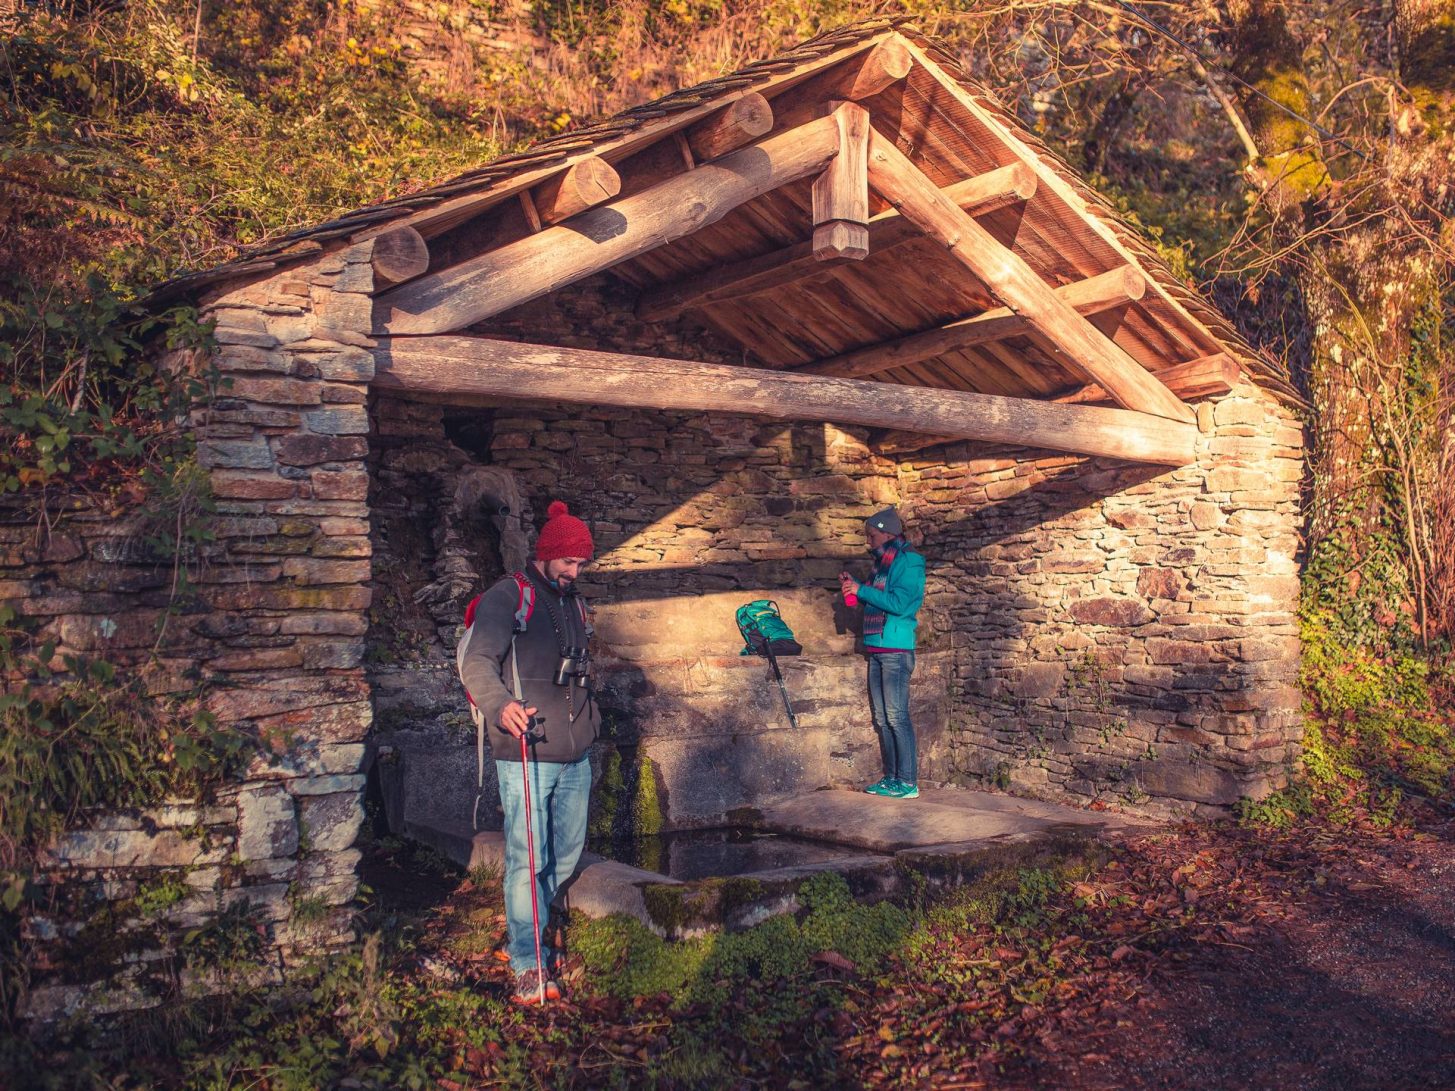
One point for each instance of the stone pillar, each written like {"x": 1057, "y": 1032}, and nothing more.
{"x": 285, "y": 445}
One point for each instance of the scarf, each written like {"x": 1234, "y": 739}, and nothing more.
{"x": 883, "y": 558}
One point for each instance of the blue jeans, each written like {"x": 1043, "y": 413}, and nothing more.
{"x": 889, "y": 704}
{"x": 560, "y": 794}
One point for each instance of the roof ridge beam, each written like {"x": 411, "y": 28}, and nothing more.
{"x": 1102, "y": 292}
{"x": 978, "y": 196}
{"x": 467, "y": 370}
{"x": 601, "y": 237}
{"x": 1017, "y": 285}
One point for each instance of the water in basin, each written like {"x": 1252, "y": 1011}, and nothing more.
{"x": 701, "y": 854}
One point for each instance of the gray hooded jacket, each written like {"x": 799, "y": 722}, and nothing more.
{"x": 566, "y": 714}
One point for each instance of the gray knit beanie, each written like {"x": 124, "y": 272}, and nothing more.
{"x": 887, "y": 521}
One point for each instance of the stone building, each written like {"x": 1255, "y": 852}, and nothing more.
{"x": 724, "y": 326}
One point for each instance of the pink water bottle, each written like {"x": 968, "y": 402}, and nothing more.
{"x": 850, "y": 599}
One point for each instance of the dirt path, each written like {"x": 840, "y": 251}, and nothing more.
{"x": 1346, "y": 981}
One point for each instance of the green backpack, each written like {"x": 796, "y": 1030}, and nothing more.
{"x": 764, "y": 630}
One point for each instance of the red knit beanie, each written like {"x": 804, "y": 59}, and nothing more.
{"x": 563, "y": 535}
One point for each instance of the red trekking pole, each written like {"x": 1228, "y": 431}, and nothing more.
{"x": 530, "y": 848}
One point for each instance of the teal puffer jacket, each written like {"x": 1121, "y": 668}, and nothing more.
{"x": 903, "y": 592}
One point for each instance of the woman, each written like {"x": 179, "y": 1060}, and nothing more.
{"x": 891, "y": 599}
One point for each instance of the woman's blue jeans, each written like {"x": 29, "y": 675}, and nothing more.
{"x": 560, "y": 796}
{"x": 889, "y": 704}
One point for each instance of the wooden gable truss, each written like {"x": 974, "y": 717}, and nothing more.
{"x": 1016, "y": 349}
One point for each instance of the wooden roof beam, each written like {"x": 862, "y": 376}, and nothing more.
{"x": 397, "y": 255}
{"x": 742, "y": 122}
{"x": 1198, "y": 378}
{"x": 978, "y": 196}
{"x": 601, "y": 237}
{"x": 585, "y": 184}
{"x": 1093, "y": 295}
{"x": 887, "y": 63}
{"x": 1016, "y": 284}
{"x": 471, "y": 370}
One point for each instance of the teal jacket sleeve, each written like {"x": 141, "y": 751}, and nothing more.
{"x": 903, "y": 592}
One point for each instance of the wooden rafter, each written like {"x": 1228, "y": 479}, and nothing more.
{"x": 466, "y": 370}
{"x": 1215, "y": 374}
{"x": 1199, "y": 378}
{"x": 1016, "y": 284}
{"x": 599, "y": 238}
{"x": 978, "y": 196}
{"x": 1090, "y": 296}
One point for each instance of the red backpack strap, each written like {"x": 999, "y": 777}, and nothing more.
{"x": 470, "y": 608}
{"x": 525, "y": 604}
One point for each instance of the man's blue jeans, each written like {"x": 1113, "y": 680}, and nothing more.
{"x": 889, "y": 703}
{"x": 560, "y": 795}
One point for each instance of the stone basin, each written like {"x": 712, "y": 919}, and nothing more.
{"x": 946, "y": 836}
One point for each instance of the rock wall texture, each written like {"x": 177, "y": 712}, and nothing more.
{"x": 274, "y": 628}
{"x": 1123, "y": 633}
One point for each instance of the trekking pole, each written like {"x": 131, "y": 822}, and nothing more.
{"x": 530, "y": 850}
{"x": 778, "y": 674}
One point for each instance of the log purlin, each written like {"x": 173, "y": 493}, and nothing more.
{"x": 474, "y": 370}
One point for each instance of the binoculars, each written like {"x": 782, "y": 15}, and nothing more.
{"x": 575, "y": 662}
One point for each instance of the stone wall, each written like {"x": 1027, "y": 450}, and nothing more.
{"x": 693, "y": 514}
{"x": 273, "y": 628}
{"x": 1122, "y": 633}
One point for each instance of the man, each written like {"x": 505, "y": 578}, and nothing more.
{"x": 538, "y": 689}
{"x": 891, "y": 601}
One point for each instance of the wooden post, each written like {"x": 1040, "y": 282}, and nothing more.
{"x": 1016, "y": 284}
{"x": 585, "y": 184}
{"x": 398, "y": 254}
{"x": 978, "y": 196}
{"x": 841, "y": 192}
{"x": 474, "y": 370}
{"x": 740, "y": 123}
{"x": 599, "y": 238}
{"x": 1090, "y": 296}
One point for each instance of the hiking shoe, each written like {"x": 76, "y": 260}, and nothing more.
{"x": 527, "y": 991}
{"x": 882, "y": 787}
{"x": 902, "y": 790}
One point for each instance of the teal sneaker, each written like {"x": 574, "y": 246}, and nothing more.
{"x": 902, "y": 790}
{"x": 884, "y": 786}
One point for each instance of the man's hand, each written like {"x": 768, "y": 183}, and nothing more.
{"x": 515, "y": 718}
{"x": 847, "y": 584}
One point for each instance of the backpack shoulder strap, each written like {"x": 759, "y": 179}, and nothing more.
{"x": 525, "y": 603}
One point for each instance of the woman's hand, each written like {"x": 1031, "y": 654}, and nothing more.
{"x": 847, "y": 584}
